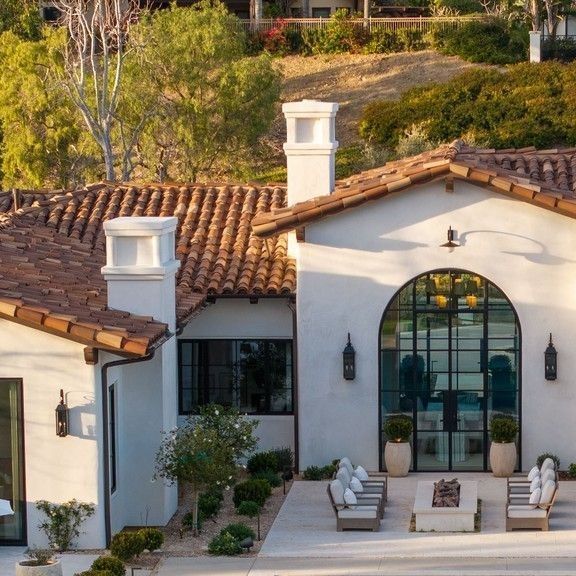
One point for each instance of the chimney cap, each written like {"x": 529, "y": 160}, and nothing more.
{"x": 140, "y": 225}
{"x": 310, "y": 106}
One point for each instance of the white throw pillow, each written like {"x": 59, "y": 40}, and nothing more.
{"x": 535, "y": 484}
{"x": 337, "y": 492}
{"x": 547, "y": 493}
{"x": 535, "y": 497}
{"x": 548, "y": 463}
{"x": 549, "y": 474}
{"x": 360, "y": 473}
{"x": 345, "y": 463}
{"x": 350, "y": 499}
{"x": 534, "y": 471}
{"x": 356, "y": 485}
{"x": 344, "y": 476}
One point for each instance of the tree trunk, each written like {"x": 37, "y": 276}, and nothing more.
{"x": 195, "y": 496}
{"x": 109, "y": 159}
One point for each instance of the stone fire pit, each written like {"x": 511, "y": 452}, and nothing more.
{"x": 445, "y": 519}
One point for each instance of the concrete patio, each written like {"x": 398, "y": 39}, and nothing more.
{"x": 303, "y": 541}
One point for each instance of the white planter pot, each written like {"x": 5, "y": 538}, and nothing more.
{"x": 398, "y": 457}
{"x": 502, "y": 459}
{"x": 53, "y": 569}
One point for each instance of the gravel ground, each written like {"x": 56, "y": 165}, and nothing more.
{"x": 355, "y": 80}
{"x": 185, "y": 544}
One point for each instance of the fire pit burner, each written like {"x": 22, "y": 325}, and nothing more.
{"x": 446, "y": 494}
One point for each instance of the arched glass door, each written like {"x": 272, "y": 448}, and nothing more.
{"x": 450, "y": 358}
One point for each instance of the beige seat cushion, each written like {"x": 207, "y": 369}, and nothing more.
{"x": 525, "y": 512}
{"x": 364, "y": 512}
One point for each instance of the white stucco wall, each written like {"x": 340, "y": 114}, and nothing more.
{"x": 352, "y": 264}
{"x": 57, "y": 469}
{"x": 237, "y": 318}
{"x": 143, "y": 413}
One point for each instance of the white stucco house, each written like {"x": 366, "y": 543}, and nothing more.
{"x": 449, "y": 271}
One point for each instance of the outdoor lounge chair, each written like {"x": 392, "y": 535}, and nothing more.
{"x": 362, "y": 493}
{"x": 361, "y": 516}
{"x": 372, "y": 483}
{"x": 532, "y": 516}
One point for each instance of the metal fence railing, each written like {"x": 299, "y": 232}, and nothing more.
{"x": 422, "y": 24}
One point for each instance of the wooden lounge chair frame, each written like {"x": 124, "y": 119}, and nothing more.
{"x": 356, "y": 523}
{"x": 532, "y": 523}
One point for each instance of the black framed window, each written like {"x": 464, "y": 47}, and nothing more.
{"x": 253, "y": 375}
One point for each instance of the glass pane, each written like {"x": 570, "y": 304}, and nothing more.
{"x": 470, "y": 406}
{"x": 502, "y": 323}
{"x": 467, "y": 361}
{"x": 432, "y": 450}
{"x": 11, "y": 461}
{"x": 468, "y": 451}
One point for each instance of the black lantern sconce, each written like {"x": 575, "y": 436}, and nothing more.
{"x": 62, "y": 420}
{"x": 349, "y": 361}
{"x": 450, "y": 236}
{"x": 550, "y": 361}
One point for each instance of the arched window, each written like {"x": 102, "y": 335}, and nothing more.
{"x": 449, "y": 358}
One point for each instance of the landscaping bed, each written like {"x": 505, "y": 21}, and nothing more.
{"x": 181, "y": 542}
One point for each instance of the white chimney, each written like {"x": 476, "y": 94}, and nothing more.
{"x": 310, "y": 148}
{"x": 141, "y": 267}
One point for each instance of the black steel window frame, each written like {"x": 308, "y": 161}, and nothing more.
{"x": 233, "y": 342}
{"x": 22, "y": 457}
{"x": 484, "y": 308}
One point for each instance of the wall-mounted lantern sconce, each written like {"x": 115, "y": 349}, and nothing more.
{"x": 349, "y": 361}
{"x": 550, "y": 361}
{"x": 62, "y": 421}
{"x": 450, "y": 243}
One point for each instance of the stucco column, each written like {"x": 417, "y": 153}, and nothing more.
{"x": 535, "y": 46}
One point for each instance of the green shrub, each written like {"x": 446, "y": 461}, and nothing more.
{"x": 239, "y": 531}
{"x": 93, "y": 572}
{"x": 127, "y": 545}
{"x": 114, "y": 565}
{"x": 398, "y": 428}
{"x": 224, "y": 545}
{"x": 319, "y": 472}
{"x": 270, "y": 476}
{"x": 572, "y": 470}
{"x": 503, "y": 428}
{"x": 262, "y": 461}
{"x": 494, "y": 41}
{"x": 563, "y": 49}
{"x": 458, "y": 6}
{"x": 284, "y": 458}
{"x": 383, "y": 42}
{"x": 153, "y": 538}
{"x": 188, "y": 521}
{"x": 542, "y": 457}
{"x": 63, "y": 521}
{"x": 526, "y": 105}
{"x": 256, "y": 490}
{"x": 248, "y": 508}
{"x": 411, "y": 40}
{"x": 209, "y": 505}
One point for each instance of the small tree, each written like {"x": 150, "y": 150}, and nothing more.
{"x": 205, "y": 452}
{"x": 232, "y": 428}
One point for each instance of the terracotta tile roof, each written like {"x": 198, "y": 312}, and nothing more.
{"x": 546, "y": 178}
{"x": 52, "y": 246}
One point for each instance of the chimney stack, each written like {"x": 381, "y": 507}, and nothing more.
{"x": 141, "y": 267}
{"x": 310, "y": 148}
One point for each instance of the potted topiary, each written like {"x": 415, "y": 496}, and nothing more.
{"x": 503, "y": 431}
{"x": 40, "y": 563}
{"x": 397, "y": 453}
